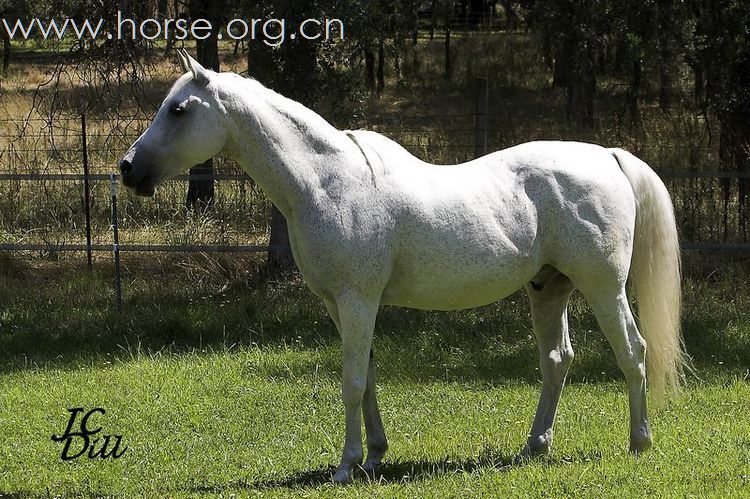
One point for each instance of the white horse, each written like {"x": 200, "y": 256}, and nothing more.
{"x": 370, "y": 224}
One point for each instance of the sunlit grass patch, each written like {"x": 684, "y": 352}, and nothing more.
{"x": 221, "y": 382}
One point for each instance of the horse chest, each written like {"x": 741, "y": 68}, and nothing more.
{"x": 332, "y": 257}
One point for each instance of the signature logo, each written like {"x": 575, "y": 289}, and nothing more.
{"x": 97, "y": 448}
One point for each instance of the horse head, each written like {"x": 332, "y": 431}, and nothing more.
{"x": 189, "y": 128}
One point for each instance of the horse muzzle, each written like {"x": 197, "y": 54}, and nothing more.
{"x": 142, "y": 183}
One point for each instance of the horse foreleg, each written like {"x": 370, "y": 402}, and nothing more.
{"x": 356, "y": 320}
{"x": 377, "y": 444}
{"x": 549, "y": 302}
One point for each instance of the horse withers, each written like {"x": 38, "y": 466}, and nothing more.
{"x": 370, "y": 224}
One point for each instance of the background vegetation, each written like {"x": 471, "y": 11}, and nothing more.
{"x": 223, "y": 375}
{"x": 666, "y": 79}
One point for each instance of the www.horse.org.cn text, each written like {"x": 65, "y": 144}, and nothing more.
{"x": 273, "y": 32}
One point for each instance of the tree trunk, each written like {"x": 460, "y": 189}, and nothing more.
{"x": 260, "y": 63}
{"x": 381, "y": 67}
{"x": 433, "y": 19}
{"x": 369, "y": 69}
{"x": 476, "y": 12}
{"x": 699, "y": 84}
{"x": 582, "y": 87}
{"x": 665, "y": 88}
{"x": 634, "y": 93}
{"x": 6, "y": 52}
{"x": 667, "y": 53}
{"x": 200, "y": 193}
{"x": 280, "y": 258}
{"x": 560, "y": 67}
{"x": 510, "y": 15}
{"x": 397, "y": 65}
{"x": 448, "y": 62}
{"x": 297, "y": 73}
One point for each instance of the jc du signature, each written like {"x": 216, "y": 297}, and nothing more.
{"x": 76, "y": 443}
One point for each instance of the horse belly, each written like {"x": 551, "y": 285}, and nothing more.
{"x": 435, "y": 281}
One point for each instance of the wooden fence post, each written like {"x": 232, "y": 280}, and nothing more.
{"x": 116, "y": 243}
{"x": 481, "y": 104}
{"x": 86, "y": 188}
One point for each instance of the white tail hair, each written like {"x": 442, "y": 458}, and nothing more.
{"x": 655, "y": 276}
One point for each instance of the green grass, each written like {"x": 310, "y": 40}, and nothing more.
{"x": 222, "y": 383}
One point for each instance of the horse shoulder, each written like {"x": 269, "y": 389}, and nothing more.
{"x": 346, "y": 245}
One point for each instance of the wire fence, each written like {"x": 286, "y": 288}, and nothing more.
{"x": 54, "y": 173}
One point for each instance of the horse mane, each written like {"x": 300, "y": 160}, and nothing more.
{"x": 325, "y": 137}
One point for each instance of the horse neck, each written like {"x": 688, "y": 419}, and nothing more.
{"x": 289, "y": 150}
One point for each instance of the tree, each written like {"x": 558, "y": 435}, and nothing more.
{"x": 200, "y": 193}
{"x": 724, "y": 55}
{"x": 10, "y": 10}
{"x": 293, "y": 70}
{"x": 576, "y": 30}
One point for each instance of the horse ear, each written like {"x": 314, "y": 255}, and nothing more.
{"x": 183, "y": 61}
{"x": 200, "y": 74}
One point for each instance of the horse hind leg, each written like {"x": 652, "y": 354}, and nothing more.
{"x": 616, "y": 320}
{"x": 549, "y": 302}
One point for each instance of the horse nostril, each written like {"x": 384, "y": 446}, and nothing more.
{"x": 125, "y": 166}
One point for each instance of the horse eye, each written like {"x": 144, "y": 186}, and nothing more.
{"x": 176, "y": 110}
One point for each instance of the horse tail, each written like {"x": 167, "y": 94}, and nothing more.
{"x": 655, "y": 276}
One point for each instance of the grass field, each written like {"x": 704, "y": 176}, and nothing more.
{"x": 223, "y": 383}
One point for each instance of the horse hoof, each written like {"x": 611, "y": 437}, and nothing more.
{"x": 640, "y": 440}
{"x": 342, "y": 476}
{"x": 535, "y": 447}
{"x": 371, "y": 466}
{"x": 640, "y": 445}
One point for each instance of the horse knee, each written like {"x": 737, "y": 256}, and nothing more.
{"x": 558, "y": 360}
{"x": 352, "y": 391}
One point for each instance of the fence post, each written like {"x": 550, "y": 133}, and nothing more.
{"x": 481, "y": 103}
{"x": 116, "y": 243}
{"x": 86, "y": 188}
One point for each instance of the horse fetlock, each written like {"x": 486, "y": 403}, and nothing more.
{"x": 372, "y": 463}
{"x": 640, "y": 440}
{"x": 377, "y": 446}
{"x": 351, "y": 458}
{"x": 375, "y": 452}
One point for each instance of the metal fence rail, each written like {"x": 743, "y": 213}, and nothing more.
{"x": 101, "y": 176}
{"x": 251, "y": 248}
{"x": 138, "y": 248}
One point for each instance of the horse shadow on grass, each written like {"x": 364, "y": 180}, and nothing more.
{"x": 404, "y": 472}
